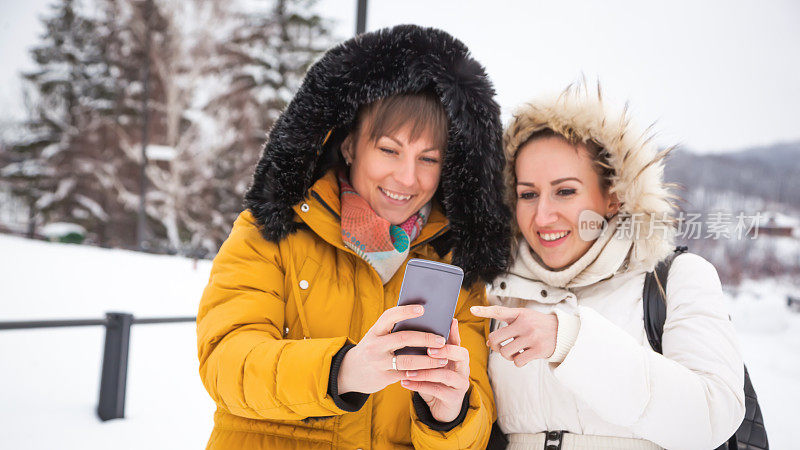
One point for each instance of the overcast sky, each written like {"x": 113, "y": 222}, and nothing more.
{"x": 716, "y": 75}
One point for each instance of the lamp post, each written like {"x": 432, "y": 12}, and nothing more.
{"x": 361, "y": 16}
{"x": 141, "y": 224}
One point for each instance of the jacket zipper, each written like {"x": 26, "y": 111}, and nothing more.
{"x": 436, "y": 235}
{"x": 319, "y": 199}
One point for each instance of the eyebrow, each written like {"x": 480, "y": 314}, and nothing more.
{"x": 552, "y": 183}
{"x": 401, "y": 144}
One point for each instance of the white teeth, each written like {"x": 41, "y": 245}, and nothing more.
{"x": 395, "y": 196}
{"x": 553, "y": 236}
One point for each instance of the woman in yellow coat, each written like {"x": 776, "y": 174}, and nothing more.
{"x": 390, "y": 150}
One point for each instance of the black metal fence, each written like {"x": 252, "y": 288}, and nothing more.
{"x": 114, "y": 374}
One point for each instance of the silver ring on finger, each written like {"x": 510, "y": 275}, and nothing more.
{"x": 520, "y": 351}
{"x": 394, "y": 362}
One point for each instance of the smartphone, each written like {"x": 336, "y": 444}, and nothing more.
{"x": 435, "y": 286}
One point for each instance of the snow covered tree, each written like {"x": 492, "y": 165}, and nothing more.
{"x": 262, "y": 50}
{"x": 226, "y": 77}
{"x": 67, "y": 91}
{"x": 130, "y": 23}
{"x": 220, "y": 73}
{"x": 25, "y": 170}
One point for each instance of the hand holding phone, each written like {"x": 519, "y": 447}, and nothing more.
{"x": 371, "y": 365}
{"x": 416, "y": 343}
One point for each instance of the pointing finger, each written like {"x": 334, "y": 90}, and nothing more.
{"x": 507, "y": 315}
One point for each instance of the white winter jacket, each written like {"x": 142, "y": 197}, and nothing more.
{"x": 610, "y": 382}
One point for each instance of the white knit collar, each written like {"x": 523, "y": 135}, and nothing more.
{"x": 601, "y": 261}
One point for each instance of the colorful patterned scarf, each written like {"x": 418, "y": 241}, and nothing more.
{"x": 383, "y": 245}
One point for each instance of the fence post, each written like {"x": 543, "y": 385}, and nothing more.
{"x": 115, "y": 366}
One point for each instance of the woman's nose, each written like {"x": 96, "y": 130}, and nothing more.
{"x": 545, "y": 213}
{"x": 405, "y": 173}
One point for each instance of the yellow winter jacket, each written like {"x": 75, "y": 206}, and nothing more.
{"x": 273, "y": 316}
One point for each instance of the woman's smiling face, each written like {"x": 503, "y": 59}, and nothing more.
{"x": 395, "y": 174}
{"x": 556, "y": 181}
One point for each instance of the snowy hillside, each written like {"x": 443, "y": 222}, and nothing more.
{"x": 758, "y": 183}
{"x": 50, "y": 378}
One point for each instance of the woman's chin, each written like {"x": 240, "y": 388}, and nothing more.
{"x": 555, "y": 265}
{"x": 393, "y": 216}
{"x": 553, "y": 260}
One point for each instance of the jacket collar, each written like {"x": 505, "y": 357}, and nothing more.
{"x": 601, "y": 261}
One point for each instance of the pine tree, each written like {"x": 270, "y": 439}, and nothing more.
{"x": 66, "y": 93}
{"x": 24, "y": 170}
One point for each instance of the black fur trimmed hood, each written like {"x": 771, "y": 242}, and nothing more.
{"x": 304, "y": 142}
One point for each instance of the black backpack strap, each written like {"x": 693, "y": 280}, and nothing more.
{"x": 653, "y": 301}
{"x": 497, "y": 440}
{"x": 751, "y": 433}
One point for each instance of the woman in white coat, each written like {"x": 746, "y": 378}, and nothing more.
{"x": 571, "y": 366}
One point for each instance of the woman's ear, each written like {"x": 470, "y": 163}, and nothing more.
{"x": 613, "y": 205}
{"x": 348, "y": 149}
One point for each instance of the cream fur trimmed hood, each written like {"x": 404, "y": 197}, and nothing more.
{"x": 581, "y": 115}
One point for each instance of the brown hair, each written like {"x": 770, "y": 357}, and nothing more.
{"x": 423, "y": 111}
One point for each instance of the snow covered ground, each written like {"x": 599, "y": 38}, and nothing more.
{"x": 49, "y": 378}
